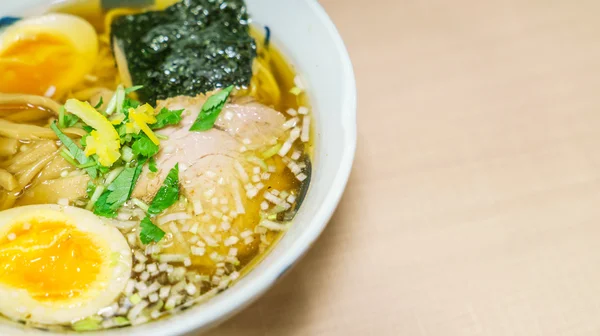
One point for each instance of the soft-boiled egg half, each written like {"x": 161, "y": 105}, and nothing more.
{"x": 46, "y": 55}
{"x": 59, "y": 264}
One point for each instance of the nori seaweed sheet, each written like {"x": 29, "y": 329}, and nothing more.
{"x": 193, "y": 46}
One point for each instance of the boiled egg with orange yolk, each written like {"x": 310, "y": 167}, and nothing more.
{"x": 46, "y": 55}
{"x": 59, "y": 264}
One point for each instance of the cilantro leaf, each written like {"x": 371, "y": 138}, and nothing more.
{"x": 150, "y": 232}
{"x": 70, "y": 120}
{"x": 144, "y": 146}
{"x": 129, "y": 103}
{"x": 121, "y": 187}
{"x": 168, "y": 193}
{"x": 152, "y": 165}
{"x": 119, "y": 191}
{"x": 167, "y": 117}
{"x": 210, "y": 110}
{"x": 103, "y": 208}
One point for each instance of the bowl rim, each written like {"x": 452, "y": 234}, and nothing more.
{"x": 236, "y": 301}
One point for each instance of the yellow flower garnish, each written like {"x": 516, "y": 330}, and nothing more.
{"x": 104, "y": 139}
{"x": 142, "y": 116}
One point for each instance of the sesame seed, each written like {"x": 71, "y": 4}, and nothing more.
{"x": 11, "y": 236}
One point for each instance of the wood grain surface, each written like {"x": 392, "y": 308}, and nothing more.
{"x": 474, "y": 203}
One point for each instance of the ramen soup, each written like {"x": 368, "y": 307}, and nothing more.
{"x": 148, "y": 157}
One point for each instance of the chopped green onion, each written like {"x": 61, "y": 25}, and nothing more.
{"x": 133, "y": 88}
{"x": 127, "y": 153}
{"x": 112, "y": 104}
{"x": 112, "y": 175}
{"x": 95, "y": 196}
{"x": 121, "y": 321}
{"x": 61, "y": 117}
{"x": 87, "y": 324}
{"x": 68, "y": 158}
{"x": 140, "y": 204}
{"x": 271, "y": 151}
{"x": 135, "y": 299}
{"x": 296, "y": 91}
{"x": 257, "y": 161}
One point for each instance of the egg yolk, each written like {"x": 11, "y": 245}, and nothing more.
{"x": 35, "y": 64}
{"x": 52, "y": 260}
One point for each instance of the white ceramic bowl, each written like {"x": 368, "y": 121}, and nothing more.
{"x": 304, "y": 32}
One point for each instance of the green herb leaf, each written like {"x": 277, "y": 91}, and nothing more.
{"x": 210, "y": 110}
{"x": 168, "y": 193}
{"x": 122, "y": 187}
{"x": 119, "y": 191}
{"x": 70, "y": 120}
{"x": 129, "y": 103}
{"x": 144, "y": 146}
{"x": 152, "y": 165}
{"x": 167, "y": 117}
{"x": 150, "y": 232}
{"x": 100, "y": 102}
{"x": 103, "y": 208}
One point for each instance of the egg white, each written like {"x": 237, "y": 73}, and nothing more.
{"x": 18, "y": 304}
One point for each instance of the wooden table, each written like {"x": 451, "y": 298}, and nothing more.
{"x": 474, "y": 204}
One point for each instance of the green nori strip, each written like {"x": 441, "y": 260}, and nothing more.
{"x": 193, "y": 46}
